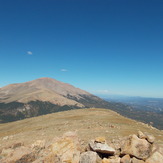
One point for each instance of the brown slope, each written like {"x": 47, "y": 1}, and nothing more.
{"x": 89, "y": 123}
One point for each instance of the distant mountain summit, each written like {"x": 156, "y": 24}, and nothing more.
{"x": 42, "y": 96}
{"x": 43, "y": 89}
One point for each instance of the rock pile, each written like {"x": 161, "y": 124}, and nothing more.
{"x": 140, "y": 148}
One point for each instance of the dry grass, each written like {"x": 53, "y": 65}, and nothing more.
{"x": 88, "y": 123}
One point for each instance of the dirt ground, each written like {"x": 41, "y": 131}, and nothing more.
{"x": 88, "y": 123}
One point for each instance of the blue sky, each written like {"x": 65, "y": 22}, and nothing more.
{"x": 102, "y": 46}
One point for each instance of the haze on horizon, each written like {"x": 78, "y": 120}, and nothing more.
{"x": 101, "y": 46}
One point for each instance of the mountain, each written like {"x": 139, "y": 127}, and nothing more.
{"x": 46, "y": 95}
{"x": 42, "y": 96}
{"x": 43, "y": 89}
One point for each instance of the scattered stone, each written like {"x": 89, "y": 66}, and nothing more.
{"x": 134, "y": 146}
{"x": 126, "y": 159}
{"x": 39, "y": 144}
{"x": 101, "y": 148}
{"x": 16, "y": 145}
{"x": 5, "y": 138}
{"x": 135, "y": 160}
{"x": 89, "y": 157}
{"x": 111, "y": 126}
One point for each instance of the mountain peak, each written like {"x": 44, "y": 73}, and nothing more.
{"x": 45, "y": 78}
{"x": 44, "y": 89}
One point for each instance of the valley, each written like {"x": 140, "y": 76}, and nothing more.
{"x": 147, "y": 110}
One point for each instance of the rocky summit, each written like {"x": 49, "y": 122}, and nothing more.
{"x": 69, "y": 149}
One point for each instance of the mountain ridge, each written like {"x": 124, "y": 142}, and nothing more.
{"x": 22, "y": 100}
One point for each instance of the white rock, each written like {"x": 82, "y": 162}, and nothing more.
{"x": 101, "y": 148}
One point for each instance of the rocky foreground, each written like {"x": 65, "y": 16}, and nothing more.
{"x": 140, "y": 148}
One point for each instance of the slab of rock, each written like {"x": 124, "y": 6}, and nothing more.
{"x": 101, "y": 148}
{"x": 156, "y": 157}
{"x": 89, "y": 157}
{"x": 67, "y": 149}
{"x": 126, "y": 159}
{"x": 134, "y": 146}
{"x": 135, "y": 160}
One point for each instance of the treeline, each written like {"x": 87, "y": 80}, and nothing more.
{"x": 16, "y": 111}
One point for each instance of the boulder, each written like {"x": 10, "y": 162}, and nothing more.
{"x": 134, "y": 146}
{"x": 101, "y": 148}
{"x": 89, "y": 157}
{"x": 156, "y": 157}
{"x": 126, "y": 159}
{"x": 67, "y": 148}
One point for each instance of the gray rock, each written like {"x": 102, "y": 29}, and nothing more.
{"x": 101, "y": 148}
{"x": 89, "y": 157}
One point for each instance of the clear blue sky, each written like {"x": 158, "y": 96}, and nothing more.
{"x": 102, "y": 46}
